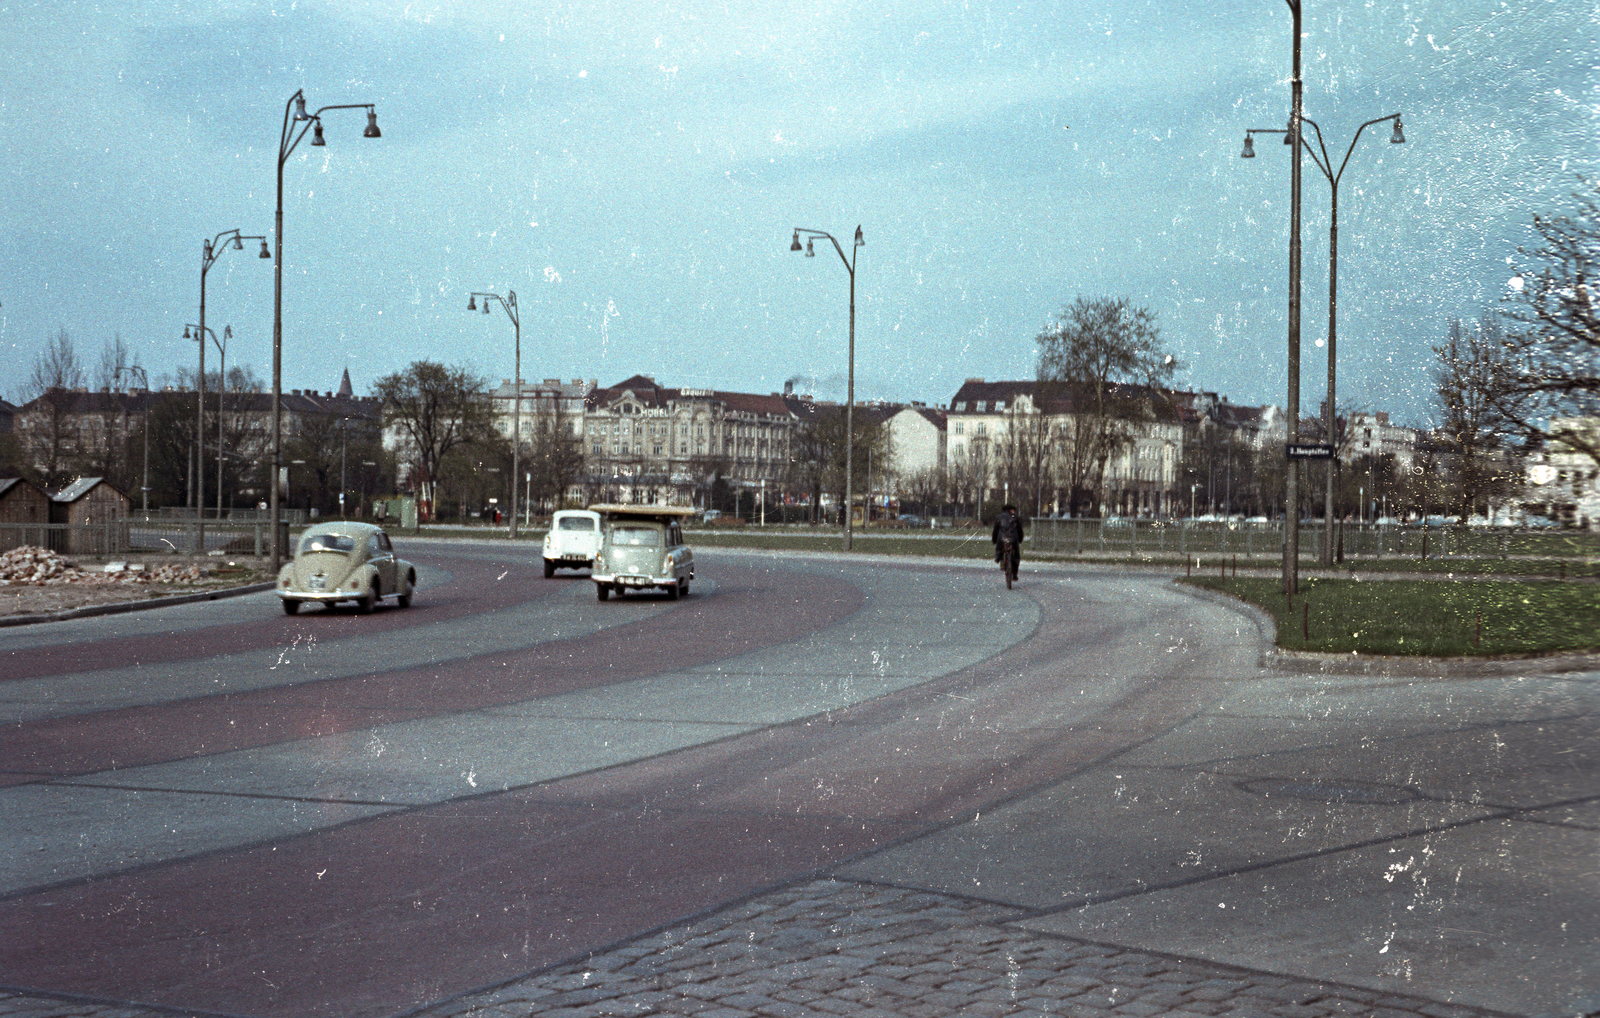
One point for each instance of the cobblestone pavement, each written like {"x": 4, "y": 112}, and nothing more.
{"x": 832, "y": 948}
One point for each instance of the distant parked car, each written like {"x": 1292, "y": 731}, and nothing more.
{"x": 912, "y": 520}
{"x": 573, "y": 540}
{"x": 711, "y": 515}
{"x": 345, "y": 561}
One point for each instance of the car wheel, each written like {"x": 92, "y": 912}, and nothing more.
{"x": 403, "y": 599}
{"x": 365, "y": 602}
{"x": 672, "y": 592}
{"x": 291, "y": 607}
{"x": 683, "y": 587}
{"x": 602, "y": 591}
{"x": 549, "y": 569}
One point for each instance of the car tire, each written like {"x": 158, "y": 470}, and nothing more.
{"x": 291, "y": 607}
{"x": 602, "y": 591}
{"x": 403, "y": 599}
{"x": 365, "y": 602}
{"x": 683, "y": 588}
{"x": 549, "y": 569}
{"x": 672, "y": 592}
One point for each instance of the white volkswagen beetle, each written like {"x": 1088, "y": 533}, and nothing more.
{"x": 345, "y": 561}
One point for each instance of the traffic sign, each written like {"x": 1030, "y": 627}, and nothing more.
{"x": 1309, "y": 451}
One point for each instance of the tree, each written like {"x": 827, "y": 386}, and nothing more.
{"x": 48, "y": 432}
{"x": 435, "y": 409}
{"x": 1471, "y": 369}
{"x": 1552, "y": 381}
{"x": 1105, "y": 357}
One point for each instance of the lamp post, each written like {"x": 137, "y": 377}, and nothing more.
{"x": 509, "y": 303}
{"x": 222, "y": 387}
{"x": 210, "y": 251}
{"x": 850, "y": 385}
{"x": 288, "y": 138}
{"x": 144, "y": 483}
{"x": 1324, "y": 162}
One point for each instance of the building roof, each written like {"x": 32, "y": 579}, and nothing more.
{"x": 81, "y": 487}
{"x": 646, "y": 390}
{"x": 10, "y": 484}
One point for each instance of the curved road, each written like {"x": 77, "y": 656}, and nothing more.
{"x": 216, "y": 808}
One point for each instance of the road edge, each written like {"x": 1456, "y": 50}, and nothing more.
{"x": 119, "y": 607}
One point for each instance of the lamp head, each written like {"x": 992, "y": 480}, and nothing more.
{"x": 859, "y": 241}
{"x": 472, "y": 303}
{"x": 238, "y": 243}
{"x": 300, "y": 108}
{"x": 186, "y": 333}
{"x": 809, "y": 252}
{"x": 795, "y": 244}
{"x": 485, "y": 305}
{"x": 1249, "y": 146}
{"x": 227, "y": 332}
{"x": 1398, "y": 137}
{"x": 316, "y": 133}
{"x": 264, "y": 252}
{"x": 372, "y": 124}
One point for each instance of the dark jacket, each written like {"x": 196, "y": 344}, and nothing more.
{"x": 1007, "y": 526}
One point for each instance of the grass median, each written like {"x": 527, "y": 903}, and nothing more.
{"x": 1433, "y": 618}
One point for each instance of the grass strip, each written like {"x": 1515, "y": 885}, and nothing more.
{"x": 1433, "y": 618}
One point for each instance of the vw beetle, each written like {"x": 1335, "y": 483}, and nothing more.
{"x": 345, "y": 561}
{"x": 641, "y": 548}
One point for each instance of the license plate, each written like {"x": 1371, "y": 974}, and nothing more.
{"x": 636, "y": 581}
{"x": 317, "y": 583}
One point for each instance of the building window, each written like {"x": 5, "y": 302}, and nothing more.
{"x": 959, "y": 428}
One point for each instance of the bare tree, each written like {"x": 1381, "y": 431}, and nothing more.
{"x": 1471, "y": 370}
{"x": 48, "y": 430}
{"x": 1553, "y": 348}
{"x": 1105, "y": 357}
{"x": 435, "y": 409}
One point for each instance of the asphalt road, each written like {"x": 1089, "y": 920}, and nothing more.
{"x": 219, "y": 809}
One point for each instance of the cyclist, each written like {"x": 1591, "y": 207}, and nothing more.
{"x": 1007, "y": 537}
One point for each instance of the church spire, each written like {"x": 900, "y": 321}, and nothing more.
{"x": 344, "y": 385}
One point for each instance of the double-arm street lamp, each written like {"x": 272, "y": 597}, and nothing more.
{"x": 850, "y": 385}
{"x": 296, "y": 122}
{"x": 144, "y": 485}
{"x": 1319, "y": 156}
{"x": 210, "y": 251}
{"x": 509, "y": 303}
{"x": 222, "y": 391}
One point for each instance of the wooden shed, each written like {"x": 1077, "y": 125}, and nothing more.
{"x": 89, "y": 506}
{"x": 24, "y": 509}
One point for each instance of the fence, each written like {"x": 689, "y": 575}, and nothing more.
{"x": 1367, "y": 540}
{"x": 295, "y": 517}
{"x": 132, "y": 536}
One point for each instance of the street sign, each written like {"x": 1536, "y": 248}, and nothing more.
{"x": 1309, "y": 451}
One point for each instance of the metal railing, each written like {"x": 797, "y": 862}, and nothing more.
{"x": 132, "y": 536}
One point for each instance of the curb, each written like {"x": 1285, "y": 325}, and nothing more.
{"x": 119, "y": 607}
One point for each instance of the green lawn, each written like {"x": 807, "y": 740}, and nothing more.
{"x": 1427, "y": 617}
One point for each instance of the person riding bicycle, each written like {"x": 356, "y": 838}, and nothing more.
{"x": 1008, "y": 531}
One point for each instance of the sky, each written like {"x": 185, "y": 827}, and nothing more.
{"x": 634, "y": 172}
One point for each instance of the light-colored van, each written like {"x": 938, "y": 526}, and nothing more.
{"x": 573, "y": 540}
{"x": 642, "y": 549}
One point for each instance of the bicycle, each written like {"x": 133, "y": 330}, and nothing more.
{"x": 1009, "y": 558}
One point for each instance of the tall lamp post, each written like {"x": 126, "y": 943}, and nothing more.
{"x": 850, "y": 385}
{"x": 294, "y": 128}
{"x": 222, "y": 386}
{"x": 144, "y": 484}
{"x": 509, "y": 303}
{"x": 1324, "y": 162}
{"x": 210, "y": 251}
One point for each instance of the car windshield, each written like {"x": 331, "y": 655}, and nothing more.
{"x": 576, "y": 523}
{"x": 638, "y": 537}
{"x": 327, "y": 542}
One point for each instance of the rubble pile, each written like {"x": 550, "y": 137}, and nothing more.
{"x": 28, "y": 566}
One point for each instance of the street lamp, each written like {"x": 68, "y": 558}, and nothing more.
{"x": 1324, "y": 162}
{"x": 850, "y": 385}
{"x": 210, "y": 251}
{"x": 222, "y": 386}
{"x": 288, "y": 138}
{"x": 144, "y": 484}
{"x": 509, "y": 303}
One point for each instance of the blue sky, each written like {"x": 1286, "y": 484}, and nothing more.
{"x": 634, "y": 171}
